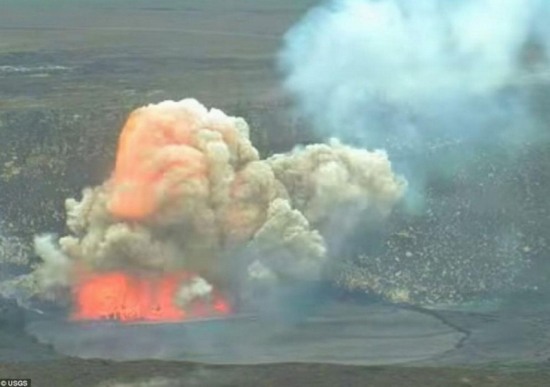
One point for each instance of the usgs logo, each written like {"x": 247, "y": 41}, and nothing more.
{"x": 15, "y": 383}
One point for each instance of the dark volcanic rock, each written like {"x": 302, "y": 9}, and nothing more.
{"x": 15, "y": 344}
{"x": 12, "y": 317}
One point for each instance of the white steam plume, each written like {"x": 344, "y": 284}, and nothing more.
{"x": 444, "y": 86}
{"x": 372, "y": 69}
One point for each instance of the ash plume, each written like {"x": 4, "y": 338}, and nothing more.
{"x": 189, "y": 192}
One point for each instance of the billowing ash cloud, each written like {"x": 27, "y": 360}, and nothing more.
{"x": 190, "y": 193}
{"x": 382, "y": 69}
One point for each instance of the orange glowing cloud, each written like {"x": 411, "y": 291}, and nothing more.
{"x": 154, "y": 142}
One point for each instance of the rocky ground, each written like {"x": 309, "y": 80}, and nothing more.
{"x": 23, "y": 357}
{"x": 151, "y": 373}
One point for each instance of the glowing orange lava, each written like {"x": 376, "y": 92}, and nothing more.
{"x": 123, "y": 297}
